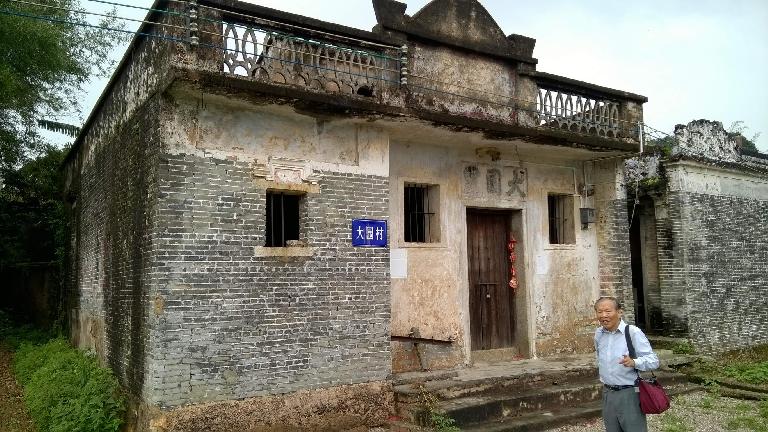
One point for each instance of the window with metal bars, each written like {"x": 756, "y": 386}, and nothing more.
{"x": 283, "y": 218}
{"x": 420, "y": 205}
{"x": 561, "y": 228}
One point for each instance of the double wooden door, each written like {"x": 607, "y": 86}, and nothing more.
{"x": 491, "y": 300}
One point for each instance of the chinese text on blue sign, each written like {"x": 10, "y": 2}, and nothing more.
{"x": 369, "y": 232}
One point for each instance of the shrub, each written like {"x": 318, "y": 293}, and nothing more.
{"x": 683, "y": 348}
{"x": 753, "y": 373}
{"x": 66, "y": 390}
{"x": 14, "y": 335}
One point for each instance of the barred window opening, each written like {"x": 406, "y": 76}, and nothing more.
{"x": 283, "y": 218}
{"x": 561, "y": 227}
{"x": 420, "y": 205}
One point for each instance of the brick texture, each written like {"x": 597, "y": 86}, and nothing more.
{"x": 229, "y": 323}
{"x": 614, "y": 254}
{"x": 713, "y": 259}
{"x": 111, "y": 245}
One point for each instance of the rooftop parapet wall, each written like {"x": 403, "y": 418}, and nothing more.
{"x": 706, "y": 139}
{"x": 450, "y": 63}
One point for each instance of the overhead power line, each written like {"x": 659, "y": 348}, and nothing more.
{"x": 78, "y": 11}
{"x": 63, "y": 21}
{"x": 262, "y": 55}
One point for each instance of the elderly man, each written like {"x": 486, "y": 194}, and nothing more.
{"x": 621, "y": 402}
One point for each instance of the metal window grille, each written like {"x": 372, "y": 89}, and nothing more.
{"x": 558, "y": 219}
{"x": 418, "y": 214}
{"x": 282, "y": 218}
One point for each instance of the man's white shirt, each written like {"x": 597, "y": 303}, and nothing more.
{"x": 611, "y": 346}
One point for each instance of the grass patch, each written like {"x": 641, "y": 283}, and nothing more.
{"x": 673, "y": 423}
{"x": 762, "y": 409}
{"x": 738, "y": 415}
{"x": 751, "y": 423}
{"x": 683, "y": 348}
{"x": 431, "y": 418}
{"x": 67, "y": 390}
{"x": 752, "y": 373}
{"x": 749, "y": 366}
{"x": 13, "y": 334}
{"x": 64, "y": 388}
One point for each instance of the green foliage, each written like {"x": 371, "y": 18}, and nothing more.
{"x": 752, "y": 373}
{"x": 683, "y": 348}
{"x": 748, "y": 366}
{"x": 43, "y": 68}
{"x": 66, "y": 390}
{"x": 13, "y": 334}
{"x": 763, "y": 409}
{"x": 662, "y": 146}
{"x": 32, "y": 215}
{"x": 737, "y": 130}
{"x": 442, "y": 423}
{"x": 750, "y": 423}
{"x": 673, "y": 423}
{"x": 655, "y": 183}
{"x": 431, "y": 417}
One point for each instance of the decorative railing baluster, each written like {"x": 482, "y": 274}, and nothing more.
{"x": 284, "y": 58}
{"x": 577, "y": 113}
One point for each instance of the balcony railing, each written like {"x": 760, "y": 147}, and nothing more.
{"x": 577, "y": 113}
{"x": 269, "y": 50}
{"x": 276, "y": 56}
{"x": 571, "y": 105}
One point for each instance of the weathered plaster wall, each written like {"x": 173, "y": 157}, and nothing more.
{"x": 564, "y": 277}
{"x": 704, "y": 138}
{"x": 560, "y": 283}
{"x": 232, "y": 319}
{"x": 715, "y": 256}
{"x": 428, "y": 302}
{"x": 484, "y": 85}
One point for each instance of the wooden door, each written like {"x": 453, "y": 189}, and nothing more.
{"x": 490, "y": 297}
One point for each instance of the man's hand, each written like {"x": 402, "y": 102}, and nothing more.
{"x": 627, "y": 361}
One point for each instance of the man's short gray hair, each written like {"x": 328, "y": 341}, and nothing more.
{"x": 609, "y": 298}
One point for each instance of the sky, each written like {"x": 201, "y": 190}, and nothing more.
{"x": 693, "y": 59}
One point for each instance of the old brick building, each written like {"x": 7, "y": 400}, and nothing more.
{"x": 239, "y": 152}
{"x": 700, "y": 243}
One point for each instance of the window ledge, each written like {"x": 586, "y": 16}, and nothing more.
{"x": 414, "y": 245}
{"x": 288, "y": 251}
{"x": 570, "y": 246}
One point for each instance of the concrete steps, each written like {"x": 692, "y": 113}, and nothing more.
{"x": 542, "y": 420}
{"x": 511, "y": 397}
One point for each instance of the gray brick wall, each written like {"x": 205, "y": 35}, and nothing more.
{"x": 716, "y": 257}
{"x": 110, "y": 255}
{"x": 672, "y": 245}
{"x": 229, "y": 323}
{"x": 614, "y": 254}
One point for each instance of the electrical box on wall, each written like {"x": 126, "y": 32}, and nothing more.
{"x": 587, "y": 217}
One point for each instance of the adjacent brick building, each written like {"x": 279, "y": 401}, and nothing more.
{"x": 702, "y": 245}
{"x": 214, "y": 189}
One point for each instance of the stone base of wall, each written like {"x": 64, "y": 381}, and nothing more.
{"x": 413, "y": 357}
{"x": 343, "y": 408}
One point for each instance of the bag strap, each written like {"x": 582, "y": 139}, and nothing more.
{"x": 631, "y": 348}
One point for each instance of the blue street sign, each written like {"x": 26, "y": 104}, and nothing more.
{"x": 369, "y": 233}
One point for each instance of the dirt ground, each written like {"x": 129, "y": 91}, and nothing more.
{"x": 13, "y": 414}
{"x": 695, "y": 412}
